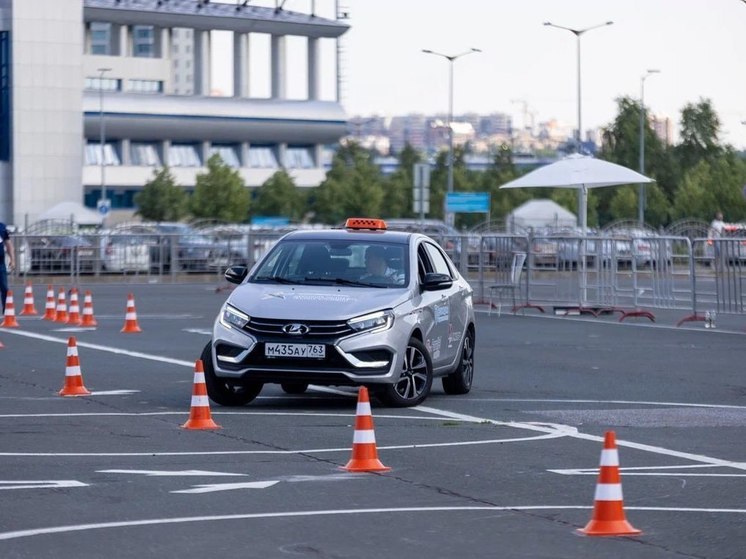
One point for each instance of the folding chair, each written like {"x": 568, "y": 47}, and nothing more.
{"x": 511, "y": 282}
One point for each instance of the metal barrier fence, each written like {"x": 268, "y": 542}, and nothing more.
{"x": 631, "y": 276}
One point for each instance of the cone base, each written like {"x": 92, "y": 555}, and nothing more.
{"x": 365, "y": 465}
{"x": 74, "y": 391}
{"x": 27, "y": 313}
{"x": 201, "y": 424}
{"x": 609, "y": 528}
{"x": 131, "y": 330}
{"x": 10, "y": 324}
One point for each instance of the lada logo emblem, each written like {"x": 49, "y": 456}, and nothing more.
{"x": 295, "y": 329}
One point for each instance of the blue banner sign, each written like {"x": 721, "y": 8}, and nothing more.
{"x": 468, "y": 202}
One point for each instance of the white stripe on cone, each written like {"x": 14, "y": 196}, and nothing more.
{"x": 609, "y": 492}
{"x": 609, "y": 457}
{"x": 363, "y": 437}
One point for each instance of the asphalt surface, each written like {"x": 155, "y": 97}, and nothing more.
{"x": 508, "y": 470}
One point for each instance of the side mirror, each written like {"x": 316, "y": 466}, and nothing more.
{"x": 236, "y": 274}
{"x": 436, "y": 282}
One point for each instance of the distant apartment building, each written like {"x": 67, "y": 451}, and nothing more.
{"x": 663, "y": 129}
{"x": 96, "y": 94}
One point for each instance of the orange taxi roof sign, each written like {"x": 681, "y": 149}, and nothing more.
{"x": 365, "y": 223}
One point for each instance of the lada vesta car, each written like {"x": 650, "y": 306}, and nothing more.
{"x": 344, "y": 307}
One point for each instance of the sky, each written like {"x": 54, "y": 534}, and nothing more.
{"x": 699, "y": 47}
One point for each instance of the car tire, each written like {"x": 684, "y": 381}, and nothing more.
{"x": 416, "y": 378}
{"x": 294, "y": 387}
{"x": 459, "y": 381}
{"x": 223, "y": 391}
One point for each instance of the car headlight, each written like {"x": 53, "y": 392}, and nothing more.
{"x": 233, "y": 318}
{"x": 381, "y": 320}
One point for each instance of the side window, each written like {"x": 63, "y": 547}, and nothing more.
{"x": 437, "y": 259}
{"x": 423, "y": 263}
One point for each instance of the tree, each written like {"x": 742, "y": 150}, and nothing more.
{"x": 353, "y": 187}
{"x": 700, "y": 128}
{"x": 398, "y": 187}
{"x": 220, "y": 193}
{"x": 278, "y": 196}
{"x": 161, "y": 199}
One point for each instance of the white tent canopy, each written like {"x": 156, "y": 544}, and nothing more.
{"x": 73, "y": 211}
{"x": 579, "y": 172}
{"x": 540, "y": 213}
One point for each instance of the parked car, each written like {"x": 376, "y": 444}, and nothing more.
{"x": 61, "y": 254}
{"x": 317, "y": 310}
{"x": 192, "y": 249}
{"x": 123, "y": 252}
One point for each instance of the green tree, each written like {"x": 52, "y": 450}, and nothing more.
{"x": 398, "y": 187}
{"x": 278, "y": 196}
{"x": 352, "y": 188}
{"x": 700, "y": 130}
{"x": 161, "y": 199}
{"x": 220, "y": 193}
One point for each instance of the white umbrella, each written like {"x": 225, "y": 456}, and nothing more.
{"x": 580, "y": 172}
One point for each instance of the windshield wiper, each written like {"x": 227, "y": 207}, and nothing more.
{"x": 343, "y": 281}
{"x": 277, "y": 279}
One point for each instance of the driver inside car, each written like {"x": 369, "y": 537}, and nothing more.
{"x": 377, "y": 266}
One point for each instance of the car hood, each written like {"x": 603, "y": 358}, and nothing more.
{"x": 313, "y": 302}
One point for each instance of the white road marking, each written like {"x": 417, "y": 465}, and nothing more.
{"x": 43, "y": 484}
{"x": 202, "y": 331}
{"x": 74, "y": 329}
{"x": 113, "y": 392}
{"x": 169, "y": 473}
{"x": 211, "y": 488}
{"x": 108, "y": 349}
{"x": 299, "y": 514}
{"x": 628, "y": 402}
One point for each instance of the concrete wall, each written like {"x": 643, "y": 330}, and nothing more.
{"x": 46, "y": 105}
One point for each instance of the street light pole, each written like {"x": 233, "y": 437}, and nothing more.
{"x": 641, "y": 191}
{"x": 578, "y": 33}
{"x": 102, "y": 133}
{"x": 451, "y": 59}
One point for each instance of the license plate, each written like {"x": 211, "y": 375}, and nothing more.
{"x": 301, "y": 351}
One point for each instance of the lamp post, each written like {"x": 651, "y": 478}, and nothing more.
{"x": 102, "y": 136}
{"x": 641, "y": 191}
{"x": 578, "y": 33}
{"x": 451, "y": 59}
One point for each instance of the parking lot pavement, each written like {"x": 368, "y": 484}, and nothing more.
{"x": 512, "y": 466}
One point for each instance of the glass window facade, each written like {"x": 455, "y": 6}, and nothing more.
{"x": 228, "y": 154}
{"x": 93, "y": 154}
{"x": 262, "y": 157}
{"x": 145, "y": 86}
{"x": 183, "y": 155}
{"x": 143, "y": 41}
{"x": 100, "y": 38}
{"x": 107, "y": 84}
{"x": 299, "y": 158}
{"x": 144, "y": 155}
{"x": 5, "y": 96}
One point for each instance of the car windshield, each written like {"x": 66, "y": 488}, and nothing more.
{"x": 338, "y": 262}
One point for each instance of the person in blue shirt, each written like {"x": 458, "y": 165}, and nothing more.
{"x": 6, "y": 246}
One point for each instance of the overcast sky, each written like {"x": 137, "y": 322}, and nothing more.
{"x": 699, "y": 46}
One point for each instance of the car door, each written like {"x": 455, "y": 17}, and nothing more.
{"x": 439, "y": 342}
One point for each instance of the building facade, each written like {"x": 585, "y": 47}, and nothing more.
{"x": 97, "y": 94}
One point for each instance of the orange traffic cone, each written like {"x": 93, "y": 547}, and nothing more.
{"x": 364, "y": 451}
{"x": 73, "y": 316}
{"x": 608, "y": 510}
{"x": 28, "y": 300}
{"x": 61, "y": 315}
{"x": 50, "y": 309}
{"x": 199, "y": 415}
{"x": 88, "y": 318}
{"x": 130, "y": 319}
{"x": 73, "y": 377}
{"x": 9, "y": 319}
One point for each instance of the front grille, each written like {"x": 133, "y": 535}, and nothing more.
{"x": 266, "y": 328}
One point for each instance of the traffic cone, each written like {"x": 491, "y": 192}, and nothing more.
{"x": 608, "y": 509}
{"x": 73, "y": 316}
{"x": 50, "y": 309}
{"x": 61, "y": 315}
{"x": 130, "y": 319}
{"x": 28, "y": 300}
{"x": 364, "y": 453}
{"x": 199, "y": 415}
{"x": 73, "y": 378}
{"x": 88, "y": 318}
{"x": 9, "y": 319}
